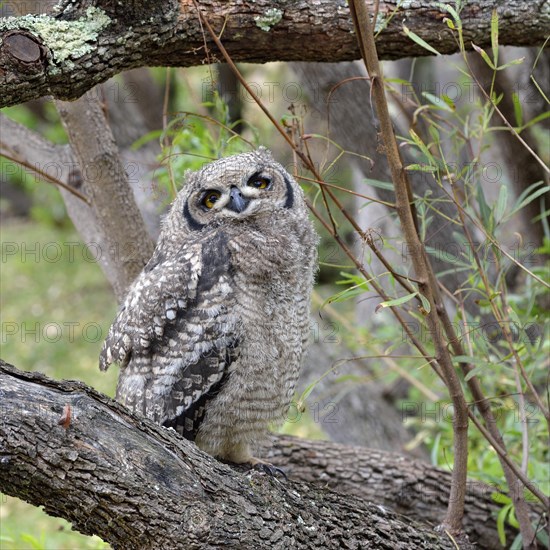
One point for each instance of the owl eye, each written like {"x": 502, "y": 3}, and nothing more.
{"x": 210, "y": 198}
{"x": 259, "y": 182}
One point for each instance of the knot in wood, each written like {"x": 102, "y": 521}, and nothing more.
{"x": 24, "y": 49}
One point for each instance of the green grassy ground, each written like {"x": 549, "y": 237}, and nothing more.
{"x": 55, "y": 307}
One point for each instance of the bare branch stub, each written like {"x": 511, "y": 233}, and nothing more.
{"x": 22, "y": 53}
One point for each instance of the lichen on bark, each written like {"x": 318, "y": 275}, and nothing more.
{"x": 66, "y": 40}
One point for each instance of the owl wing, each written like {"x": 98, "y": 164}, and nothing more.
{"x": 174, "y": 337}
{"x": 161, "y": 289}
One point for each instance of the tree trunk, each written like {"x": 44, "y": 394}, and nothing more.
{"x": 88, "y": 41}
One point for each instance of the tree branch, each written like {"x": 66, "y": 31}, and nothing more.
{"x": 121, "y": 258}
{"x": 423, "y": 271}
{"x": 137, "y": 485}
{"x": 409, "y": 487}
{"x": 108, "y": 37}
{"x": 127, "y": 244}
{"x": 126, "y": 479}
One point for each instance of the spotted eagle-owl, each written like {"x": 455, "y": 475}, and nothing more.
{"x": 212, "y": 333}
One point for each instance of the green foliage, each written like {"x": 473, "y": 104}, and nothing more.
{"x": 27, "y": 528}
{"x": 506, "y": 340}
{"x": 190, "y": 140}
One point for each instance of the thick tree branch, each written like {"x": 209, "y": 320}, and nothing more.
{"x": 412, "y": 488}
{"x": 128, "y": 246}
{"x": 88, "y": 41}
{"x": 90, "y": 460}
{"x": 137, "y": 485}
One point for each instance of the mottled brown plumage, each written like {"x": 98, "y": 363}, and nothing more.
{"x": 212, "y": 334}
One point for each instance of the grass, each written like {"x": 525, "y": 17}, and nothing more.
{"x": 55, "y": 309}
{"x": 56, "y": 305}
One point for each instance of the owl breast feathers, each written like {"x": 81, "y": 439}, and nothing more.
{"x": 212, "y": 334}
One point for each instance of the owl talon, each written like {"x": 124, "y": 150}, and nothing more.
{"x": 268, "y": 468}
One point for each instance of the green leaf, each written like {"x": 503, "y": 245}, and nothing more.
{"x": 150, "y": 136}
{"x": 478, "y": 361}
{"x": 306, "y": 393}
{"x": 422, "y": 146}
{"x": 517, "y": 544}
{"x": 494, "y": 36}
{"x": 438, "y": 102}
{"x": 536, "y": 120}
{"x": 425, "y": 303}
{"x": 543, "y": 216}
{"x": 420, "y": 168}
{"x": 387, "y": 186}
{"x": 484, "y": 55}
{"x": 517, "y": 61}
{"x": 434, "y": 132}
{"x": 415, "y": 38}
{"x": 484, "y": 210}
{"x": 397, "y": 302}
{"x": 476, "y": 371}
{"x": 514, "y": 317}
{"x": 537, "y": 86}
{"x": 350, "y": 279}
{"x": 451, "y": 10}
{"x": 451, "y": 255}
{"x": 347, "y": 294}
{"x": 449, "y": 102}
{"x": 501, "y": 521}
{"x": 502, "y": 201}
{"x": 501, "y": 498}
{"x": 512, "y": 520}
{"x": 532, "y": 197}
{"x": 449, "y": 23}
{"x": 435, "y": 449}
{"x": 518, "y": 110}
{"x": 543, "y": 538}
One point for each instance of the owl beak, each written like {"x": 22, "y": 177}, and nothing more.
{"x": 237, "y": 202}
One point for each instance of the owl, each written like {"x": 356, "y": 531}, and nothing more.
{"x": 212, "y": 333}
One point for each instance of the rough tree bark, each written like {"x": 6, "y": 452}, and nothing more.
{"x": 135, "y": 484}
{"x": 88, "y": 41}
{"x": 412, "y": 488}
{"x": 126, "y": 242}
{"x": 86, "y": 458}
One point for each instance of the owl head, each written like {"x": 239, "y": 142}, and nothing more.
{"x": 233, "y": 189}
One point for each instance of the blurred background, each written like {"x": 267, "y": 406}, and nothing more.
{"x": 362, "y": 384}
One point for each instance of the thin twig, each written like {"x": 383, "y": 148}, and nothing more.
{"x": 506, "y": 123}
{"x": 44, "y": 176}
{"x": 345, "y": 190}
